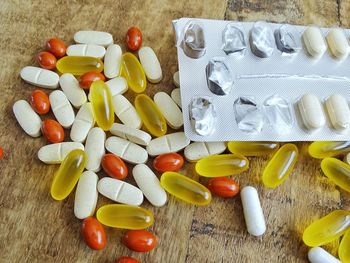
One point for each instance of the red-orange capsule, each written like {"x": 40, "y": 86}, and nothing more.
{"x": 89, "y": 77}
{"x": 114, "y": 166}
{"x": 46, "y": 60}
{"x": 52, "y": 131}
{"x": 134, "y": 38}
{"x": 40, "y": 102}
{"x": 56, "y": 47}
{"x": 93, "y": 233}
{"x": 223, "y": 187}
{"x": 168, "y": 162}
{"x": 127, "y": 260}
{"x": 1, "y": 153}
{"x": 139, "y": 240}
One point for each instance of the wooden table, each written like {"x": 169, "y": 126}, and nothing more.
{"x": 35, "y": 228}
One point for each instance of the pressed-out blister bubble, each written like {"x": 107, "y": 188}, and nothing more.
{"x": 233, "y": 39}
{"x": 193, "y": 42}
{"x": 202, "y": 115}
{"x": 261, "y": 40}
{"x": 286, "y": 39}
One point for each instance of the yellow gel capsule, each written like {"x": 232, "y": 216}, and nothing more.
{"x": 77, "y": 65}
{"x": 322, "y": 150}
{"x": 133, "y": 72}
{"x": 253, "y": 148}
{"x": 150, "y": 115}
{"x": 280, "y": 165}
{"x": 327, "y": 228}
{"x": 68, "y": 174}
{"x": 185, "y": 188}
{"x": 337, "y": 171}
{"x": 222, "y": 165}
{"x": 125, "y": 216}
{"x": 102, "y": 107}
{"x": 344, "y": 247}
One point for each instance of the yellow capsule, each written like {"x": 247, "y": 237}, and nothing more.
{"x": 253, "y": 148}
{"x": 337, "y": 171}
{"x": 77, "y": 65}
{"x": 280, "y": 165}
{"x": 185, "y": 188}
{"x": 327, "y": 228}
{"x": 133, "y": 72}
{"x": 68, "y": 174}
{"x": 124, "y": 216}
{"x": 344, "y": 247}
{"x": 222, "y": 165}
{"x": 101, "y": 101}
{"x": 322, "y": 150}
{"x": 151, "y": 116}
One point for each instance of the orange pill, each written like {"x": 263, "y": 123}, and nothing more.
{"x": 114, "y": 166}
{"x": 52, "y": 131}
{"x": 56, "y": 47}
{"x": 168, "y": 162}
{"x": 40, "y": 102}
{"x": 89, "y": 77}
{"x": 1, "y": 153}
{"x": 46, "y": 60}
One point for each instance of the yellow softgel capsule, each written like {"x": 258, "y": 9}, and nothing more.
{"x": 280, "y": 165}
{"x": 124, "y": 216}
{"x": 253, "y": 148}
{"x": 222, "y": 165}
{"x": 344, "y": 247}
{"x": 322, "y": 150}
{"x": 68, "y": 174}
{"x": 77, "y": 65}
{"x": 185, "y": 188}
{"x": 102, "y": 107}
{"x": 133, "y": 72}
{"x": 150, "y": 115}
{"x": 327, "y": 228}
{"x": 337, "y": 171}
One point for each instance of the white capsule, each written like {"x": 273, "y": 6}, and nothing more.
{"x": 120, "y": 191}
{"x": 86, "y": 195}
{"x": 169, "y": 109}
{"x": 347, "y": 158}
{"x": 311, "y": 112}
{"x": 83, "y": 123}
{"x": 128, "y": 151}
{"x": 337, "y": 43}
{"x": 70, "y": 86}
{"x": 176, "y": 96}
{"x": 150, "y": 64}
{"x": 27, "y": 118}
{"x": 40, "y": 77}
{"x": 112, "y": 61}
{"x": 173, "y": 142}
{"x": 314, "y": 42}
{"x": 126, "y": 112}
{"x": 253, "y": 214}
{"x": 131, "y": 134}
{"x": 61, "y": 108}
{"x": 86, "y": 50}
{"x": 338, "y": 112}
{"x": 117, "y": 86}
{"x": 93, "y": 37}
{"x": 319, "y": 255}
{"x": 94, "y": 149}
{"x": 198, "y": 150}
{"x": 56, "y": 152}
{"x": 176, "y": 79}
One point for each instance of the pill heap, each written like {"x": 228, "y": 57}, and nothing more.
{"x": 80, "y": 69}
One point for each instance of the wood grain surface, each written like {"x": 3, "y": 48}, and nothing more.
{"x": 35, "y": 228}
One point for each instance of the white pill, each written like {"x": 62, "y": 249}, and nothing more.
{"x": 128, "y": 151}
{"x": 131, "y": 134}
{"x": 150, "y": 64}
{"x": 95, "y": 149}
{"x": 93, "y": 37}
{"x": 126, "y": 112}
{"x": 176, "y": 96}
{"x": 311, "y": 112}
{"x": 27, "y": 118}
{"x": 149, "y": 184}
{"x": 169, "y": 109}
{"x": 86, "y": 50}
{"x": 173, "y": 142}
{"x": 253, "y": 214}
{"x": 347, "y": 158}
{"x": 176, "y": 79}
{"x": 314, "y": 42}
{"x": 337, "y": 43}
{"x": 117, "y": 86}
{"x": 112, "y": 61}
{"x": 56, "y": 152}
{"x": 40, "y": 77}
{"x": 70, "y": 86}
{"x": 319, "y": 255}
{"x": 86, "y": 195}
{"x": 120, "y": 191}
{"x": 338, "y": 112}
{"x": 61, "y": 108}
{"x": 83, "y": 123}
{"x": 198, "y": 150}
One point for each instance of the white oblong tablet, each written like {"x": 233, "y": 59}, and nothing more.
{"x": 253, "y": 213}
{"x": 56, "y": 152}
{"x": 86, "y": 195}
{"x": 128, "y": 151}
{"x": 83, "y": 123}
{"x": 131, "y": 134}
{"x": 120, "y": 191}
{"x": 112, "y": 61}
{"x": 61, "y": 108}
{"x": 126, "y": 112}
{"x": 311, "y": 112}
{"x": 319, "y": 255}
{"x": 149, "y": 184}
{"x": 27, "y": 118}
{"x": 338, "y": 112}
{"x": 347, "y": 158}
{"x": 198, "y": 150}
{"x": 173, "y": 142}
{"x": 93, "y": 37}
{"x": 314, "y": 42}
{"x": 176, "y": 79}
{"x": 150, "y": 64}
{"x": 117, "y": 85}
{"x": 337, "y": 43}
{"x": 86, "y": 50}
{"x": 169, "y": 109}
{"x": 176, "y": 96}
{"x": 40, "y": 77}
{"x": 95, "y": 149}
{"x": 71, "y": 88}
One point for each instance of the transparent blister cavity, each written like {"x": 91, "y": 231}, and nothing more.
{"x": 233, "y": 39}
{"x": 202, "y": 115}
{"x": 287, "y": 40}
{"x": 262, "y": 41}
{"x": 193, "y": 40}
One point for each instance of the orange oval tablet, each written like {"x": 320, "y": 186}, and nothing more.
{"x": 114, "y": 166}
{"x": 139, "y": 240}
{"x": 52, "y": 131}
{"x": 56, "y": 47}
{"x": 40, "y": 102}
{"x": 133, "y": 38}
{"x": 168, "y": 162}
{"x": 46, "y": 60}
{"x": 223, "y": 187}
{"x": 89, "y": 77}
{"x": 93, "y": 233}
